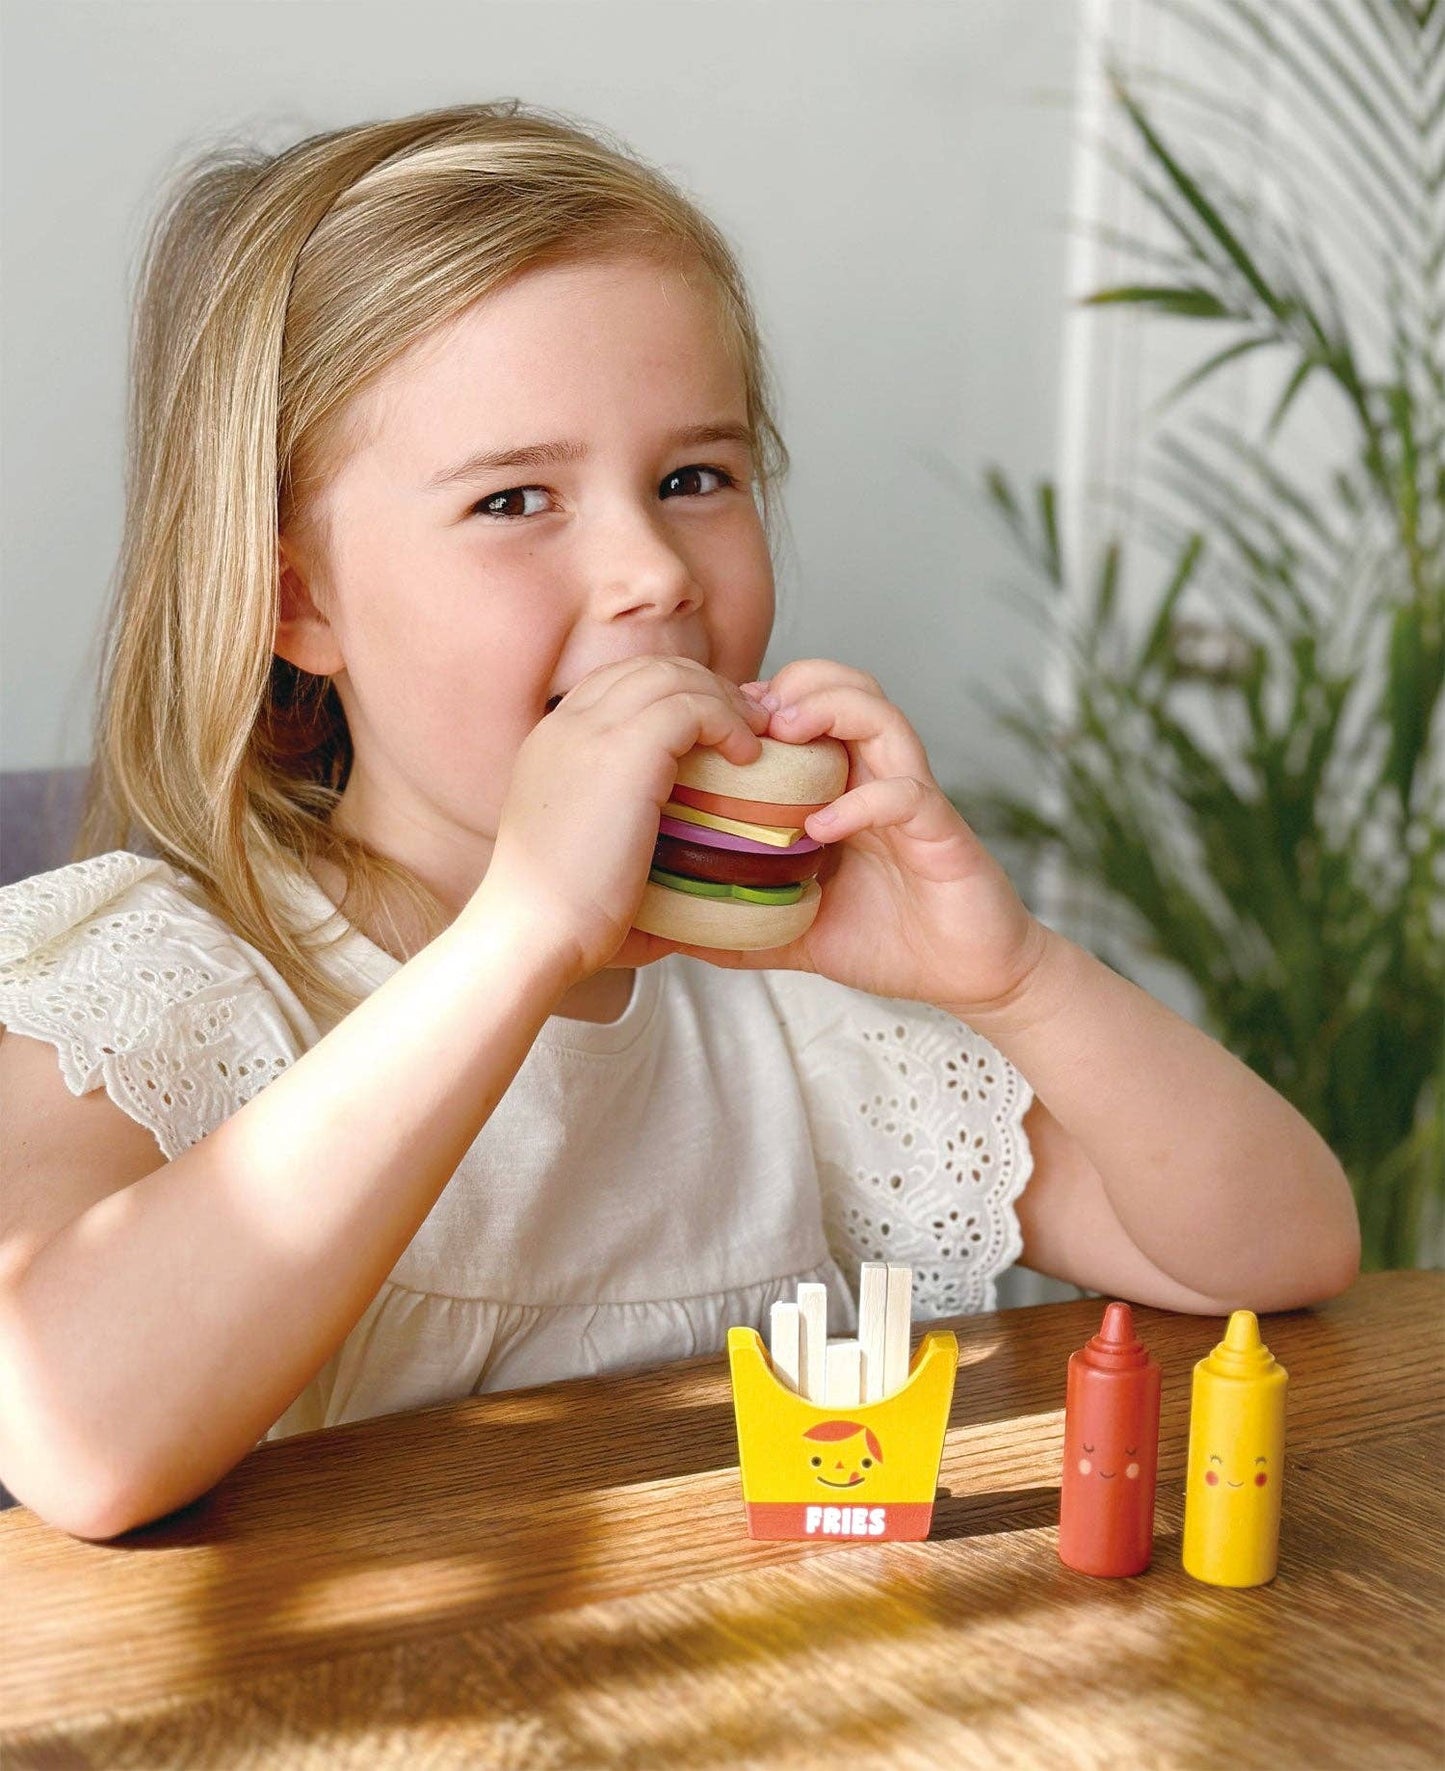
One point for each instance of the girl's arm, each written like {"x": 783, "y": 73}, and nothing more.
{"x": 152, "y": 1329}
{"x": 1165, "y": 1170}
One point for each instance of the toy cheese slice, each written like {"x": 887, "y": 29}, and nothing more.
{"x": 867, "y": 1470}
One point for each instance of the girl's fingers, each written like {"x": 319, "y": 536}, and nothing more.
{"x": 688, "y": 717}
{"x": 620, "y": 690}
{"x": 916, "y": 809}
{"x": 805, "y": 675}
{"x": 887, "y": 744}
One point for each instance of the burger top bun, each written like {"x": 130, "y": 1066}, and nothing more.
{"x": 786, "y": 774}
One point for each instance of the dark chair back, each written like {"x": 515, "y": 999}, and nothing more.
{"x": 39, "y": 816}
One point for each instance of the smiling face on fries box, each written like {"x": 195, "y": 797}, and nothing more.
{"x": 864, "y": 1470}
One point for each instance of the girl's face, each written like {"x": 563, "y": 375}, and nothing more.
{"x": 462, "y": 591}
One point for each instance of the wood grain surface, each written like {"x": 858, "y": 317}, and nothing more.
{"x": 560, "y": 1577}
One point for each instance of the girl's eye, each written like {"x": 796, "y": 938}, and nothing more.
{"x": 686, "y": 473}
{"x": 1088, "y": 1448}
{"x": 492, "y": 506}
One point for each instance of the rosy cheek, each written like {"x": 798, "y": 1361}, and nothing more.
{"x": 1260, "y": 1479}
{"x": 1212, "y": 1478}
{"x": 1084, "y": 1466}
{"x": 1132, "y": 1471}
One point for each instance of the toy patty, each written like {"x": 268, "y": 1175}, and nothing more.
{"x": 733, "y": 866}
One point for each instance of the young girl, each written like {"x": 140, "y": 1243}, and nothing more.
{"x": 442, "y": 548}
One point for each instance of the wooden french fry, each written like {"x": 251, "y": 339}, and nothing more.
{"x": 872, "y": 1318}
{"x": 843, "y": 1374}
{"x": 895, "y": 1331}
{"x": 785, "y": 1332}
{"x": 813, "y": 1309}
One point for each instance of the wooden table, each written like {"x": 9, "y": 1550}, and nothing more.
{"x": 560, "y": 1577}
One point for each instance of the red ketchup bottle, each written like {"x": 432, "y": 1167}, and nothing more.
{"x": 1111, "y": 1452}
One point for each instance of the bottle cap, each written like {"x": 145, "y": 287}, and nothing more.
{"x": 1115, "y": 1347}
{"x": 1241, "y": 1353}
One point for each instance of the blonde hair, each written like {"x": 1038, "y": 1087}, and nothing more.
{"x": 273, "y": 289}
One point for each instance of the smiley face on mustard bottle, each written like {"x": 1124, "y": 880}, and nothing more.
{"x": 1235, "y": 1468}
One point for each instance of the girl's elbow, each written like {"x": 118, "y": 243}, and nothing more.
{"x": 114, "y": 1507}
{"x": 88, "y": 1492}
{"x": 1335, "y": 1265}
{"x": 1344, "y": 1269}
{"x": 99, "y": 1513}
{"x": 91, "y": 1511}
{"x": 1317, "y": 1262}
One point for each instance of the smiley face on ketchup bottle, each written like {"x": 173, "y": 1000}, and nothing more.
{"x": 1111, "y": 1452}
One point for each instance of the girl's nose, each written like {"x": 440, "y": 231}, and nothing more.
{"x": 639, "y": 572}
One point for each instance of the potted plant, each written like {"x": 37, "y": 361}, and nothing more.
{"x": 1248, "y": 780}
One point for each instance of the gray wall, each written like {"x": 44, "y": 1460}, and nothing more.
{"x": 895, "y": 174}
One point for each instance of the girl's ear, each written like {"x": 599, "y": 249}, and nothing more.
{"x": 304, "y": 636}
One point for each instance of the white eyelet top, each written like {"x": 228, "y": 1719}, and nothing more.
{"x": 643, "y": 1185}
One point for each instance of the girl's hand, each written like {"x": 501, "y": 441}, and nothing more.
{"x": 913, "y": 904}
{"x": 579, "y": 822}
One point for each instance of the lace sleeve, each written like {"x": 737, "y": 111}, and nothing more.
{"x": 141, "y": 992}
{"x": 917, "y": 1128}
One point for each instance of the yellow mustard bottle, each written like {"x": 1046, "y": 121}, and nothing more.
{"x": 1235, "y": 1469}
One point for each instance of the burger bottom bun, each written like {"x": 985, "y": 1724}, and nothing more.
{"x": 724, "y": 922}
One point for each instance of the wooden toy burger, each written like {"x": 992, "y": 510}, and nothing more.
{"x": 733, "y": 866}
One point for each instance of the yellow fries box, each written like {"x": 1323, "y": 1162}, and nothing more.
{"x": 811, "y": 1471}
